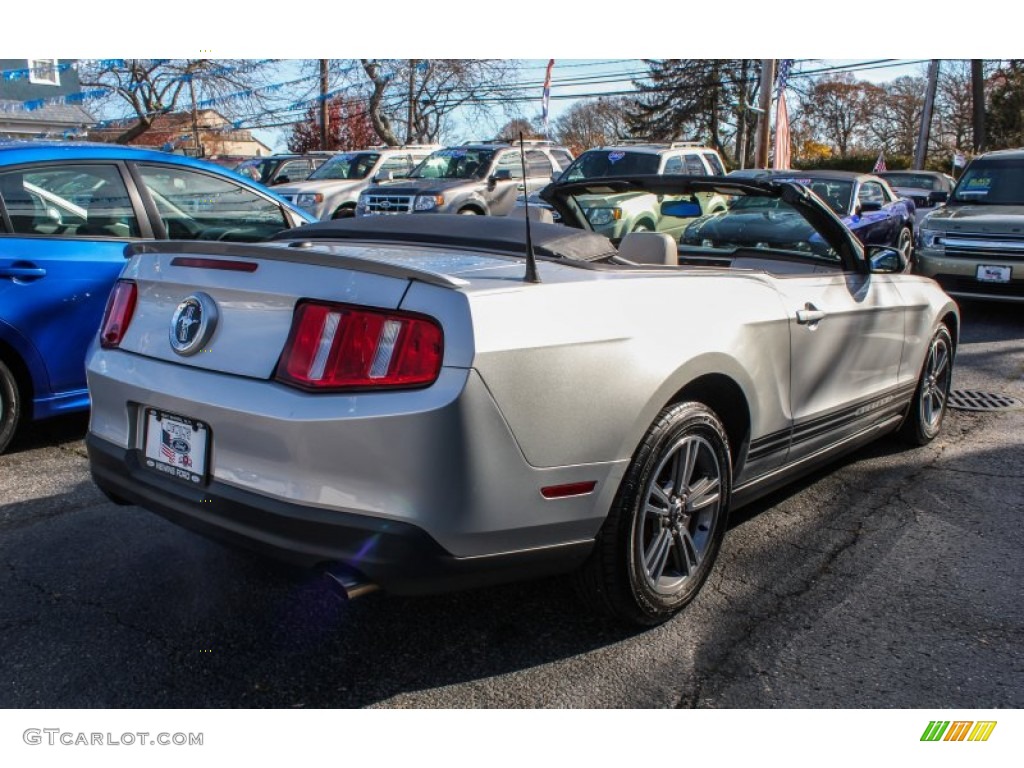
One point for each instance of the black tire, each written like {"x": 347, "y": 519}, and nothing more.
{"x": 344, "y": 212}
{"x": 905, "y": 245}
{"x": 642, "y": 226}
{"x": 928, "y": 408}
{"x": 644, "y": 568}
{"x": 10, "y": 406}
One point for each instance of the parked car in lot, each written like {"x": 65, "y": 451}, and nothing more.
{"x": 68, "y": 211}
{"x": 617, "y": 215}
{"x": 925, "y": 188}
{"x": 282, "y": 169}
{"x": 974, "y": 245}
{"x": 332, "y": 190}
{"x": 865, "y": 203}
{"x": 474, "y": 178}
{"x": 393, "y": 400}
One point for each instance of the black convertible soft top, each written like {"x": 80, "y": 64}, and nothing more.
{"x": 487, "y": 233}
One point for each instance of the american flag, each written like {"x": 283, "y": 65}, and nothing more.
{"x": 546, "y": 98}
{"x": 880, "y": 162}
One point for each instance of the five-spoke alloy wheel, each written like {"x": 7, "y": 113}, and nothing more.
{"x": 665, "y": 526}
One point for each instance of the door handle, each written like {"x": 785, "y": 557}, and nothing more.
{"x": 809, "y": 315}
{"x": 23, "y": 270}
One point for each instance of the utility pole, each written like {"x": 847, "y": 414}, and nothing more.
{"x": 764, "y": 118}
{"x": 325, "y": 112}
{"x": 978, "y": 104}
{"x": 199, "y": 151}
{"x": 412, "y": 95}
{"x": 926, "y": 116}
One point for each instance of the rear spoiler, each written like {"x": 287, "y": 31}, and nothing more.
{"x": 298, "y": 251}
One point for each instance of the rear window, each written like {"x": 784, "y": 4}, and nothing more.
{"x": 595, "y": 163}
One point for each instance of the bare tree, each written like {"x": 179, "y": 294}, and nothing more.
{"x": 153, "y": 87}
{"x": 896, "y": 111}
{"x": 593, "y": 123}
{"x": 413, "y": 99}
{"x": 837, "y": 111}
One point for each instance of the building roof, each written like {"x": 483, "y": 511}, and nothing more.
{"x": 64, "y": 115}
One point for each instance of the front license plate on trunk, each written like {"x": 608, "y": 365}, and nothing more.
{"x": 176, "y": 446}
{"x": 993, "y": 274}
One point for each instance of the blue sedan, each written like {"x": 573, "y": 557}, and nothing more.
{"x": 865, "y": 202}
{"x": 67, "y": 211}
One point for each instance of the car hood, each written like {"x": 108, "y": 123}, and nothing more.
{"x": 977, "y": 218}
{"x": 322, "y": 185}
{"x": 749, "y": 227}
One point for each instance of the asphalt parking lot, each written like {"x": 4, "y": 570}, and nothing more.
{"x": 891, "y": 579}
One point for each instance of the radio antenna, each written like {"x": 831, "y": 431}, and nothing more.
{"x": 531, "y": 259}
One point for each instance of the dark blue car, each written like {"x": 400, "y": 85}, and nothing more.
{"x": 67, "y": 211}
{"x": 865, "y": 203}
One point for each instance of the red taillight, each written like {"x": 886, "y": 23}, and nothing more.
{"x": 120, "y": 307}
{"x": 334, "y": 346}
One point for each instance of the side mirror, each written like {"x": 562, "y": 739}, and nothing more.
{"x": 869, "y": 205}
{"x": 885, "y": 260}
{"x": 502, "y": 175}
{"x": 384, "y": 176}
{"x": 282, "y": 179}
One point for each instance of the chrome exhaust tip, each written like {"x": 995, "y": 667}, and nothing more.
{"x": 350, "y": 584}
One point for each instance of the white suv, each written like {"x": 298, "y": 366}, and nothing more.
{"x": 332, "y": 190}
{"x": 618, "y": 215}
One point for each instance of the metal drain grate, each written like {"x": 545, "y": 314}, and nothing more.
{"x": 972, "y": 400}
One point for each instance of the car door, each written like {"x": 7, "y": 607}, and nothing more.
{"x": 846, "y": 342}
{"x": 62, "y": 247}
{"x": 501, "y": 195}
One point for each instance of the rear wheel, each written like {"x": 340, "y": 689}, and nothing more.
{"x": 666, "y": 524}
{"x": 10, "y": 406}
{"x": 905, "y": 245}
{"x": 928, "y": 408}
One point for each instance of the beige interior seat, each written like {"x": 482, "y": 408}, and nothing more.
{"x": 649, "y": 248}
{"x": 536, "y": 213}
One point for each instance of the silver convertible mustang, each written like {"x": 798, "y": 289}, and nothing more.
{"x": 427, "y": 402}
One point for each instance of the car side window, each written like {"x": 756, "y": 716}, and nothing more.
{"x": 200, "y": 206}
{"x": 399, "y": 165}
{"x": 509, "y": 161}
{"x": 716, "y": 165}
{"x": 537, "y": 164}
{"x": 694, "y": 167}
{"x": 871, "y": 192}
{"x": 69, "y": 201}
{"x": 295, "y": 170}
{"x": 674, "y": 164}
{"x": 562, "y": 158}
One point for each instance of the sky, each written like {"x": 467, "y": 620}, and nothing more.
{"x": 573, "y": 79}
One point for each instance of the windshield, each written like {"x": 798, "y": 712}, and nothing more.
{"x": 596, "y": 163}
{"x": 912, "y": 180}
{"x": 455, "y": 164}
{"x": 348, "y": 165}
{"x": 836, "y": 193}
{"x": 997, "y": 182}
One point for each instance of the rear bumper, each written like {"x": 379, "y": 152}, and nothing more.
{"x": 398, "y": 556}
